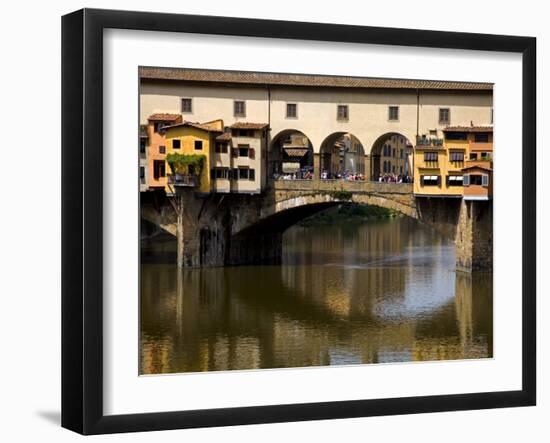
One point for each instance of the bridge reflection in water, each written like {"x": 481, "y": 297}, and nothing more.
{"x": 386, "y": 291}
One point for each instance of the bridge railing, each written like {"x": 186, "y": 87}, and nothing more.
{"x": 342, "y": 185}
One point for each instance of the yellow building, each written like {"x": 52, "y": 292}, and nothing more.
{"x": 439, "y": 163}
{"x": 191, "y": 138}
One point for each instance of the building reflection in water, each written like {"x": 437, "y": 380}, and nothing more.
{"x": 379, "y": 292}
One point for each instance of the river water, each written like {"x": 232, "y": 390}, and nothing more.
{"x": 375, "y": 292}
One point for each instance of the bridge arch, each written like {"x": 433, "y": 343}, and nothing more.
{"x": 340, "y": 153}
{"x": 290, "y": 153}
{"x": 391, "y": 154}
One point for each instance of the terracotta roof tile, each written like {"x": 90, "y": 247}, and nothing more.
{"x": 197, "y": 125}
{"x": 226, "y": 136}
{"x": 468, "y": 129}
{"x": 248, "y": 125}
{"x": 164, "y": 117}
{"x": 266, "y": 78}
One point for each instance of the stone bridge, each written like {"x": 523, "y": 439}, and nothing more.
{"x": 237, "y": 229}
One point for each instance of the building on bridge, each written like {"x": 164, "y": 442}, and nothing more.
{"x": 153, "y": 150}
{"x": 458, "y": 165}
{"x": 321, "y": 108}
{"x": 233, "y": 156}
{"x": 192, "y": 139}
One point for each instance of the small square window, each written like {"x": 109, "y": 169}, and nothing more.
{"x": 162, "y": 149}
{"x": 186, "y": 105}
{"x": 243, "y": 150}
{"x": 176, "y": 144}
{"x": 393, "y": 113}
{"x": 291, "y": 110}
{"x": 444, "y": 116}
{"x": 239, "y": 108}
{"x": 198, "y": 145}
{"x": 343, "y": 112}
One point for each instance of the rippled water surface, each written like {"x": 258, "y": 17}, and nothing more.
{"x": 383, "y": 291}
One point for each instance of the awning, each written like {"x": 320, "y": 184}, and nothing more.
{"x": 296, "y": 152}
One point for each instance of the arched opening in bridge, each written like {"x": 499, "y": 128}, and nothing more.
{"x": 391, "y": 158}
{"x": 291, "y": 156}
{"x": 341, "y": 156}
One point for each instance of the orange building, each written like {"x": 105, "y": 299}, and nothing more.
{"x": 478, "y": 163}
{"x": 156, "y": 152}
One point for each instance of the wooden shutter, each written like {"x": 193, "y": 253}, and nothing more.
{"x": 235, "y": 152}
{"x": 251, "y": 153}
{"x": 466, "y": 180}
{"x": 485, "y": 180}
{"x": 212, "y": 173}
{"x": 251, "y": 174}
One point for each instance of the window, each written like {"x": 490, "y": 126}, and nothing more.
{"x": 142, "y": 143}
{"x": 430, "y": 180}
{"x": 159, "y": 169}
{"x": 475, "y": 179}
{"x": 221, "y": 148}
{"x": 481, "y": 137}
{"x": 162, "y": 149}
{"x": 393, "y": 113}
{"x": 157, "y": 127}
{"x": 176, "y": 144}
{"x": 401, "y": 169}
{"x": 239, "y": 108}
{"x": 454, "y": 180}
{"x": 243, "y": 150}
{"x": 342, "y": 112}
{"x": 291, "y": 110}
{"x": 141, "y": 172}
{"x": 186, "y": 105}
{"x": 245, "y": 174}
{"x": 444, "y": 116}
{"x": 485, "y": 156}
{"x": 393, "y": 153}
{"x": 473, "y": 155}
{"x": 456, "y": 156}
{"x": 430, "y": 156}
{"x": 401, "y": 153}
{"x": 198, "y": 145}
{"x": 456, "y": 136}
{"x": 220, "y": 173}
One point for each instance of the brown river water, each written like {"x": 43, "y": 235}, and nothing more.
{"x": 373, "y": 292}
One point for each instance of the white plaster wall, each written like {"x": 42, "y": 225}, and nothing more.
{"x": 316, "y": 113}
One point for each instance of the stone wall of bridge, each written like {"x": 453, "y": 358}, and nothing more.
{"x": 233, "y": 229}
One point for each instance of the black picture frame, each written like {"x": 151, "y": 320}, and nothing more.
{"x": 82, "y": 218}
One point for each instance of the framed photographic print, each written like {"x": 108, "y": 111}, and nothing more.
{"x": 269, "y": 221}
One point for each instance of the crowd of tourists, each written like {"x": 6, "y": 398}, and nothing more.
{"x": 393, "y": 178}
{"x": 307, "y": 174}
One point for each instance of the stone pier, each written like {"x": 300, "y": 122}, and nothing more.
{"x": 474, "y": 236}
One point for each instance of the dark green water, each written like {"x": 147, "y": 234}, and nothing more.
{"x": 385, "y": 291}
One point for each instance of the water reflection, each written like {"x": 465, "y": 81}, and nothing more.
{"x": 377, "y": 292}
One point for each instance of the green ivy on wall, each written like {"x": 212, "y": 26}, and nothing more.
{"x": 191, "y": 164}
